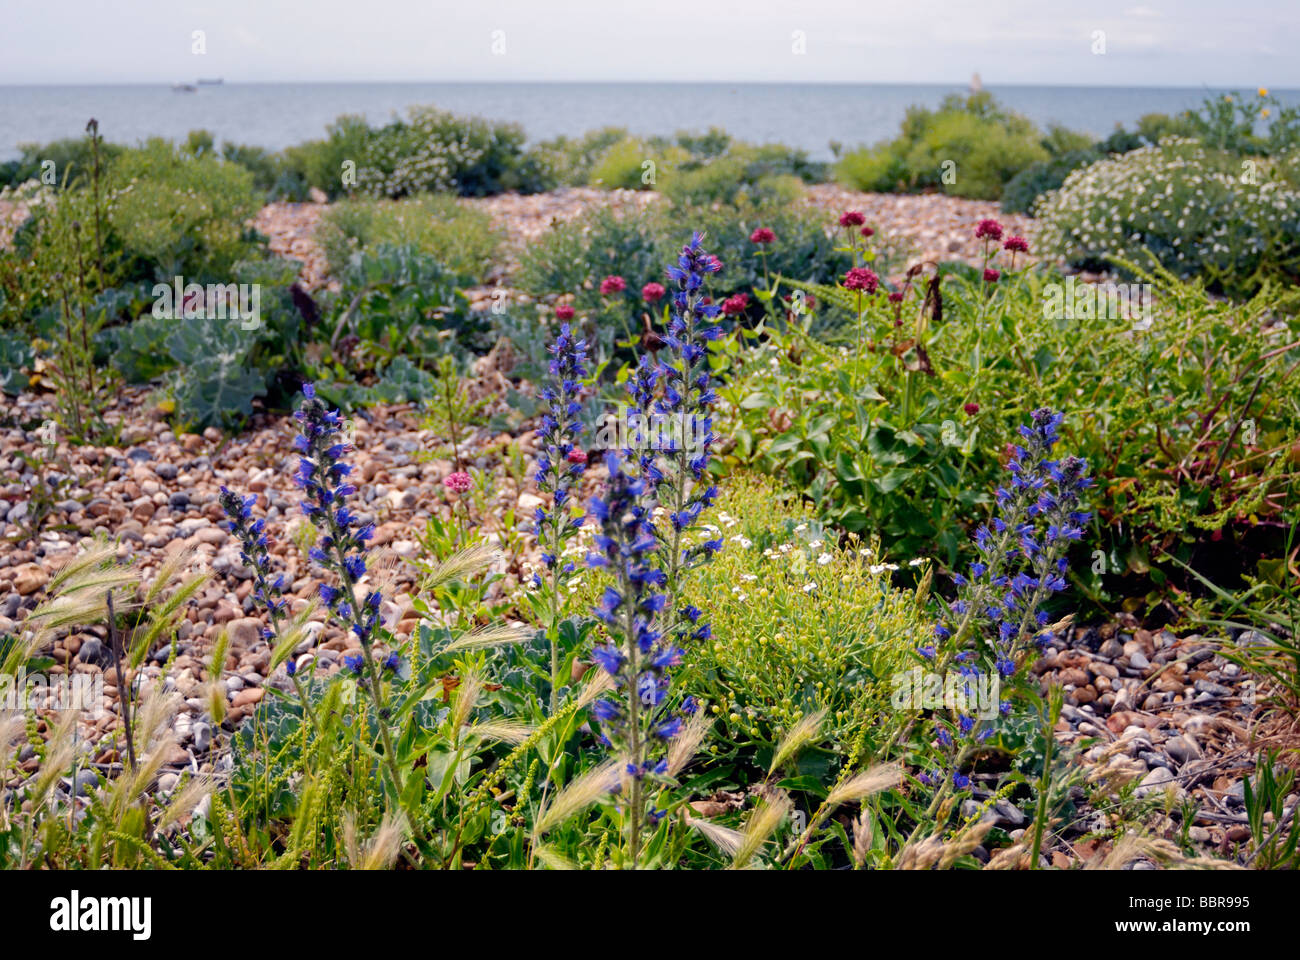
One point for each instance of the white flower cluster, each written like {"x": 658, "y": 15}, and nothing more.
{"x": 1194, "y": 211}
{"x": 431, "y": 151}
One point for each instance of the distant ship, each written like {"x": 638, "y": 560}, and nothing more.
{"x": 211, "y": 83}
{"x": 184, "y": 88}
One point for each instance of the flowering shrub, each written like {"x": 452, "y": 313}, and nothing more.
{"x": 433, "y": 150}
{"x": 1188, "y": 209}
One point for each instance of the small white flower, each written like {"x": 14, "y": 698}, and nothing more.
{"x": 809, "y": 587}
{"x": 916, "y": 561}
{"x": 824, "y": 559}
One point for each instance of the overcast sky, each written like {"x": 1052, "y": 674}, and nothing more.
{"x": 1198, "y": 43}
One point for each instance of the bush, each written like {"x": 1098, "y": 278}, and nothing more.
{"x": 1184, "y": 208}
{"x": 71, "y": 157}
{"x": 622, "y": 166}
{"x": 272, "y": 174}
{"x": 987, "y": 144}
{"x": 908, "y": 445}
{"x": 570, "y": 161}
{"x": 320, "y": 163}
{"x": 802, "y": 624}
{"x": 181, "y": 214}
{"x": 461, "y": 238}
{"x": 573, "y": 257}
{"x": 434, "y": 150}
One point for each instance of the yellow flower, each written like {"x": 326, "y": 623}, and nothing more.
{"x": 1263, "y": 91}
{"x": 1264, "y": 112}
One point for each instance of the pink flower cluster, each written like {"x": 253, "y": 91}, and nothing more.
{"x": 458, "y": 482}
{"x": 861, "y": 278}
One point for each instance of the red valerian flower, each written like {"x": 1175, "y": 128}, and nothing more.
{"x": 861, "y": 278}
{"x": 991, "y": 275}
{"x": 577, "y": 456}
{"x": 896, "y": 296}
{"x": 852, "y": 218}
{"x": 1016, "y": 245}
{"x": 612, "y": 284}
{"x": 762, "y": 235}
{"x": 867, "y": 232}
{"x": 971, "y": 409}
{"x": 458, "y": 482}
{"x": 734, "y": 306}
{"x": 652, "y": 292}
{"x": 988, "y": 230}
{"x": 564, "y": 312}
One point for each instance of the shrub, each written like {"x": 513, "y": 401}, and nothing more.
{"x": 320, "y": 163}
{"x": 434, "y": 150}
{"x": 622, "y": 166}
{"x": 801, "y": 624}
{"x": 987, "y": 144}
{"x": 1183, "y": 207}
{"x": 571, "y": 161}
{"x": 181, "y": 214}
{"x": 272, "y": 174}
{"x": 71, "y": 157}
{"x": 461, "y": 238}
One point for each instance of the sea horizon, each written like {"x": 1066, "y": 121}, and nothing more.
{"x": 807, "y": 115}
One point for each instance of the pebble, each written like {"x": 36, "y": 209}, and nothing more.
{"x": 1158, "y": 780}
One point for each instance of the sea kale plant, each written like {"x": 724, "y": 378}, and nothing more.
{"x": 999, "y": 618}
{"x": 662, "y": 475}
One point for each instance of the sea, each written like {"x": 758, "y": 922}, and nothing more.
{"x": 808, "y": 116}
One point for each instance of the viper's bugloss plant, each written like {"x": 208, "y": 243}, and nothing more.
{"x": 560, "y": 463}
{"x": 998, "y": 617}
{"x": 647, "y": 633}
{"x": 254, "y": 552}
{"x": 341, "y": 547}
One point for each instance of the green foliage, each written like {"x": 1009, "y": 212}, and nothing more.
{"x": 272, "y": 174}
{"x": 72, "y": 158}
{"x": 802, "y": 625}
{"x": 16, "y": 356}
{"x": 573, "y": 257}
{"x": 461, "y": 238}
{"x": 987, "y": 144}
{"x": 321, "y": 163}
{"x": 182, "y": 215}
{"x": 570, "y": 161}
{"x": 625, "y": 165}
{"x": 1159, "y": 411}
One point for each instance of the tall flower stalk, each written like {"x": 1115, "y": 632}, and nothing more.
{"x": 646, "y": 630}
{"x": 560, "y": 464}
{"x": 341, "y": 547}
{"x": 254, "y": 553}
{"x": 999, "y": 617}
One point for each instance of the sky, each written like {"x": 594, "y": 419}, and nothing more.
{"x": 1194, "y": 43}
